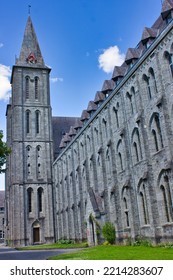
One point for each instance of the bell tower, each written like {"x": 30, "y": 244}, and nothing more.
{"x": 29, "y": 187}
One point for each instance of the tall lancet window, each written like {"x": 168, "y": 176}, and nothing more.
{"x": 37, "y": 121}
{"x": 29, "y": 194}
{"x": 27, "y": 87}
{"x": 40, "y": 199}
{"x": 36, "y": 88}
{"x": 27, "y": 121}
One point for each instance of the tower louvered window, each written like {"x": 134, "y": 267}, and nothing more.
{"x": 37, "y": 121}
{"x": 40, "y": 199}
{"x": 27, "y": 87}
{"x": 29, "y": 192}
{"x": 36, "y": 88}
{"x": 27, "y": 121}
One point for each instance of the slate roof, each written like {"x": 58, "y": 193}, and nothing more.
{"x": 131, "y": 54}
{"x": 149, "y": 33}
{"x": 99, "y": 97}
{"x": 166, "y": 7}
{"x": 72, "y": 131}
{"x": 2, "y": 198}
{"x": 85, "y": 116}
{"x": 91, "y": 106}
{"x": 78, "y": 123}
{"x": 119, "y": 71}
{"x": 61, "y": 126}
{"x": 108, "y": 85}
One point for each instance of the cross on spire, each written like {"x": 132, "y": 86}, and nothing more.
{"x": 29, "y": 9}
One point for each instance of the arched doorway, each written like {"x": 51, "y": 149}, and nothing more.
{"x": 36, "y": 232}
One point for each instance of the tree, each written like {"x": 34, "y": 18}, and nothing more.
{"x": 109, "y": 233}
{"x": 4, "y": 152}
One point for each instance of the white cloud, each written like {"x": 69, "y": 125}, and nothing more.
{"x": 5, "y": 87}
{"x": 110, "y": 58}
{"x": 1, "y": 45}
{"x": 55, "y": 80}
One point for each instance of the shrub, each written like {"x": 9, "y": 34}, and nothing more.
{"x": 65, "y": 241}
{"x": 142, "y": 241}
{"x": 108, "y": 231}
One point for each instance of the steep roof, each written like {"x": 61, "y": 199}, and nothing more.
{"x": 2, "y": 198}
{"x": 119, "y": 71}
{"x": 149, "y": 33}
{"x": 61, "y": 126}
{"x": 132, "y": 53}
{"x": 30, "y": 54}
{"x": 108, "y": 85}
{"x": 166, "y": 7}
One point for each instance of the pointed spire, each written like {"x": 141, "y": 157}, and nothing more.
{"x": 30, "y": 54}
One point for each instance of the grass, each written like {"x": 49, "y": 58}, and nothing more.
{"x": 52, "y": 246}
{"x": 119, "y": 253}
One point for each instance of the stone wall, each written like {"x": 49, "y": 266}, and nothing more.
{"x": 118, "y": 167}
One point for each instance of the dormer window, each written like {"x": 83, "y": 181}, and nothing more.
{"x": 131, "y": 64}
{"x": 147, "y": 44}
{"x": 168, "y": 18}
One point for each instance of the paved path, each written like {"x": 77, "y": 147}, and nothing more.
{"x": 7, "y": 253}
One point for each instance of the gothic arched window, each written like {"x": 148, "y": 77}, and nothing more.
{"x": 168, "y": 56}
{"x": 126, "y": 212}
{"x": 153, "y": 80}
{"x": 133, "y": 94}
{"x": 143, "y": 207}
{"x": 129, "y": 96}
{"x": 120, "y": 155}
{"x": 147, "y": 81}
{"x": 137, "y": 148}
{"x": 116, "y": 112}
{"x": 156, "y": 131}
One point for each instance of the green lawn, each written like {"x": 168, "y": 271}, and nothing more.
{"x": 53, "y": 246}
{"x": 119, "y": 253}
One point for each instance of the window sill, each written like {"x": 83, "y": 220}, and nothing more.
{"x": 167, "y": 224}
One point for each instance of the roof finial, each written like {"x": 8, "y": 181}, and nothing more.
{"x": 29, "y": 9}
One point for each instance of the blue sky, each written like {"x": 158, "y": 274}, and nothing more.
{"x": 81, "y": 40}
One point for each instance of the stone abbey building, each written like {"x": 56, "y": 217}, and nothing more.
{"x": 114, "y": 163}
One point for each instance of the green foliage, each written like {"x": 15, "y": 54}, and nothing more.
{"x": 65, "y": 241}
{"x": 142, "y": 241}
{"x": 4, "y": 152}
{"x": 108, "y": 231}
{"x": 166, "y": 245}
